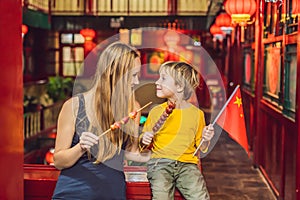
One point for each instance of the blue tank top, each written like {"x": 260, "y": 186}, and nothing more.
{"x": 85, "y": 180}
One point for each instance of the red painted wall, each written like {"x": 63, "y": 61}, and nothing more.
{"x": 11, "y": 100}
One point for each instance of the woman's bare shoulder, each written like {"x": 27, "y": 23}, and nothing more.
{"x": 71, "y": 105}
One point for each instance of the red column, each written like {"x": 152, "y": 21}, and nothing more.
{"x": 298, "y": 111}
{"x": 11, "y": 101}
{"x": 258, "y": 86}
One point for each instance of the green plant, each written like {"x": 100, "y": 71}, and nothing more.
{"x": 59, "y": 88}
{"x": 30, "y": 103}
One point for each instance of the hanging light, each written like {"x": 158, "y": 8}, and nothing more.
{"x": 49, "y": 160}
{"x": 24, "y": 30}
{"x": 240, "y": 12}
{"x": 223, "y": 21}
{"x": 88, "y": 34}
{"x": 216, "y": 32}
{"x": 89, "y": 45}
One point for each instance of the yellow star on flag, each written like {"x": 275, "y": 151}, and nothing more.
{"x": 238, "y": 101}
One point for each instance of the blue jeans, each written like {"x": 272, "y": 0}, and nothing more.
{"x": 165, "y": 174}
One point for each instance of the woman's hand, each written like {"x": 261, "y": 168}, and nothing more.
{"x": 87, "y": 140}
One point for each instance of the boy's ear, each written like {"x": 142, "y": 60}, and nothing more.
{"x": 179, "y": 88}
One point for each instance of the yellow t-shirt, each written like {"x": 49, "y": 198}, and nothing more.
{"x": 180, "y": 134}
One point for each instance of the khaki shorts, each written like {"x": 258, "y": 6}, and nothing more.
{"x": 165, "y": 174}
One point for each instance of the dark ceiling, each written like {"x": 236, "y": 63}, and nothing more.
{"x": 215, "y": 6}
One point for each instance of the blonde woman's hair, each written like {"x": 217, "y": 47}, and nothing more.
{"x": 184, "y": 75}
{"x": 114, "y": 97}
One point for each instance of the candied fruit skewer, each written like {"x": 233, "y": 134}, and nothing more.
{"x": 131, "y": 115}
{"x": 168, "y": 110}
{"x": 116, "y": 125}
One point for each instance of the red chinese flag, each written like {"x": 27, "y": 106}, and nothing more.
{"x": 232, "y": 120}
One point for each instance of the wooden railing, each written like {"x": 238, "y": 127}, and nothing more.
{"x": 40, "y": 120}
{"x": 32, "y": 124}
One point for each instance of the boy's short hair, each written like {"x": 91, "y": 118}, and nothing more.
{"x": 184, "y": 75}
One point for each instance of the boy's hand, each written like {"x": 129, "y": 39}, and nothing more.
{"x": 147, "y": 138}
{"x": 208, "y": 132}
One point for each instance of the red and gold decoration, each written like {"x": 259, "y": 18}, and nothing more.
{"x": 240, "y": 12}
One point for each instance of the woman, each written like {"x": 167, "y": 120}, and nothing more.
{"x": 92, "y": 165}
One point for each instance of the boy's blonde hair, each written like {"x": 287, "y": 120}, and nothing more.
{"x": 184, "y": 75}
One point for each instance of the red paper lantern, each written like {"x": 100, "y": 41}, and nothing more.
{"x": 223, "y": 20}
{"x": 295, "y": 4}
{"x": 240, "y": 10}
{"x": 89, "y": 45}
{"x": 214, "y": 30}
{"x": 49, "y": 157}
{"x": 88, "y": 34}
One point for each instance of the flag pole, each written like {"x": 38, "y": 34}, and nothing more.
{"x": 225, "y": 105}
{"x": 218, "y": 116}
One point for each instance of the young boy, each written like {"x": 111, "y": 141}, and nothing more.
{"x": 172, "y": 163}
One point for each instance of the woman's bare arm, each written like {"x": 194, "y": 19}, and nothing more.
{"x": 64, "y": 155}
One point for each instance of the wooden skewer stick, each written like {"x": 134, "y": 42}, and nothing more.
{"x": 140, "y": 109}
{"x": 104, "y": 132}
{"x": 124, "y": 122}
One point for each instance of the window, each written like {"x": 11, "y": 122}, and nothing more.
{"x": 249, "y": 70}
{"x": 290, "y": 80}
{"x": 292, "y": 17}
{"x": 274, "y": 18}
{"x": 72, "y": 54}
{"x": 272, "y": 76}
